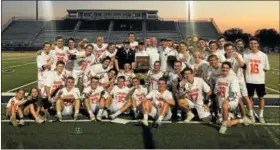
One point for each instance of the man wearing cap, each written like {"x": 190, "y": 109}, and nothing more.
{"x": 124, "y": 55}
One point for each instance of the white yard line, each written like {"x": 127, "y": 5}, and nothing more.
{"x": 274, "y": 90}
{"x": 272, "y": 136}
{"x": 135, "y": 121}
{"x": 19, "y": 65}
{"x": 273, "y": 69}
{"x": 17, "y": 58}
{"x": 21, "y": 86}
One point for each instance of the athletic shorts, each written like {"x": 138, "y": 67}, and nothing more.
{"x": 94, "y": 107}
{"x": 156, "y": 112}
{"x": 243, "y": 88}
{"x": 115, "y": 107}
{"x": 200, "y": 110}
{"x": 67, "y": 110}
{"x": 260, "y": 89}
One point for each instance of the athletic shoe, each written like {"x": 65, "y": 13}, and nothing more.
{"x": 76, "y": 115}
{"x": 190, "y": 116}
{"x": 39, "y": 120}
{"x": 247, "y": 121}
{"x": 252, "y": 118}
{"x": 262, "y": 120}
{"x": 92, "y": 117}
{"x": 21, "y": 122}
{"x": 223, "y": 129}
{"x": 145, "y": 122}
{"x": 14, "y": 121}
{"x": 105, "y": 114}
{"x": 59, "y": 116}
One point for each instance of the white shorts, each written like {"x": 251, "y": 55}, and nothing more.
{"x": 94, "y": 107}
{"x": 67, "y": 110}
{"x": 76, "y": 74}
{"x": 200, "y": 110}
{"x": 233, "y": 104}
{"x": 155, "y": 113}
{"x": 243, "y": 88}
{"x": 115, "y": 107}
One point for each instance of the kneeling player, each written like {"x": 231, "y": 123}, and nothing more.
{"x": 118, "y": 99}
{"x": 193, "y": 89}
{"x": 228, "y": 94}
{"x": 157, "y": 104}
{"x": 95, "y": 98}
{"x": 66, "y": 98}
{"x": 135, "y": 98}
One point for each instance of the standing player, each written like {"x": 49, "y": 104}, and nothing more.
{"x": 153, "y": 52}
{"x": 221, "y": 42}
{"x": 44, "y": 64}
{"x": 97, "y": 70}
{"x": 153, "y": 76}
{"x": 83, "y": 61}
{"x": 95, "y": 97}
{"x": 213, "y": 51}
{"x": 60, "y": 51}
{"x": 157, "y": 104}
{"x": 237, "y": 61}
{"x": 228, "y": 94}
{"x": 71, "y": 53}
{"x": 132, "y": 42}
{"x": 118, "y": 96}
{"x": 193, "y": 89}
{"x": 99, "y": 48}
{"x": 134, "y": 101}
{"x": 67, "y": 98}
{"x": 256, "y": 66}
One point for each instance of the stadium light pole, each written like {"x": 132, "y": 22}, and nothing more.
{"x": 36, "y": 10}
{"x": 189, "y": 11}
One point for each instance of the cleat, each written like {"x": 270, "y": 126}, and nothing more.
{"x": 252, "y": 118}
{"x": 21, "y": 122}
{"x": 59, "y": 117}
{"x": 76, "y": 115}
{"x": 190, "y": 116}
{"x": 92, "y": 117}
{"x": 111, "y": 117}
{"x": 223, "y": 129}
{"x": 98, "y": 118}
{"x": 247, "y": 121}
{"x": 39, "y": 120}
{"x": 145, "y": 123}
{"x": 261, "y": 119}
{"x": 157, "y": 124}
{"x": 105, "y": 114}
{"x": 14, "y": 121}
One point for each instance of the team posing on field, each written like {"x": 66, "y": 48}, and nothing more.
{"x": 213, "y": 78}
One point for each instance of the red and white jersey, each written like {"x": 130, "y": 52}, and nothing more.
{"x": 139, "y": 94}
{"x": 70, "y": 63}
{"x": 153, "y": 79}
{"x": 95, "y": 70}
{"x": 128, "y": 77}
{"x": 256, "y": 63}
{"x": 15, "y": 101}
{"x": 64, "y": 92}
{"x": 164, "y": 57}
{"x": 54, "y": 80}
{"x": 227, "y": 87}
{"x": 119, "y": 94}
{"x": 133, "y": 45}
{"x": 84, "y": 63}
{"x": 60, "y": 54}
{"x": 196, "y": 90}
{"x": 153, "y": 55}
{"x": 98, "y": 51}
{"x": 42, "y": 60}
{"x": 95, "y": 94}
{"x": 236, "y": 67}
{"x": 108, "y": 54}
{"x": 155, "y": 96}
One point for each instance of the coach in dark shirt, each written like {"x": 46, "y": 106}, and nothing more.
{"x": 124, "y": 55}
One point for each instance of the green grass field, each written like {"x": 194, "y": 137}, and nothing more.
{"x": 23, "y": 71}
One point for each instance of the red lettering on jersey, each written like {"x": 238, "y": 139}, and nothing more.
{"x": 194, "y": 94}
{"x": 121, "y": 97}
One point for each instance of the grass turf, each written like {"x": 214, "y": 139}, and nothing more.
{"x": 28, "y": 73}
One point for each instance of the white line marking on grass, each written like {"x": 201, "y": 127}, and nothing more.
{"x": 150, "y": 121}
{"x": 17, "y": 58}
{"x": 14, "y": 66}
{"x": 274, "y": 90}
{"x": 273, "y": 69}
{"x": 274, "y": 138}
{"x": 22, "y": 86}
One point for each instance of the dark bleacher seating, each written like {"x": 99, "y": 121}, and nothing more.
{"x": 95, "y": 25}
{"x": 127, "y": 25}
{"x": 154, "y": 25}
{"x": 60, "y": 25}
{"x": 91, "y": 35}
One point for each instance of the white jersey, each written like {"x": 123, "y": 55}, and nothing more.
{"x": 96, "y": 94}
{"x": 139, "y": 94}
{"x": 164, "y": 56}
{"x": 153, "y": 79}
{"x": 196, "y": 90}
{"x": 64, "y": 92}
{"x": 222, "y": 51}
{"x": 70, "y": 63}
{"x": 213, "y": 74}
{"x": 84, "y": 63}
{"x": 133, "y": 45}
{"x": 60, "y": 54}
{"x": 13, "y": 100}
{"x": 236, "y": 67}
{"x": 172, "y": 77}
{"x": 108, "y": 54}
{"x": 98, "y": 51}
{"x": 153, "y": 56}
{"x": 184, "y": 58}
{"x": 95, "y": 70}
{"x": 42, "y": 60}
{"x": 141, "y": 53}
{"x": 53, "y": 80}
{"x": 128, "y": 77}
{"x": 119, "y": 94}
{"x": 195, "y": 66}
{"x": 256, "y": 63}
{"x": 227, "y": 87}
{"x": 155, "y": 96}
{"x": 220, "y": 56}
